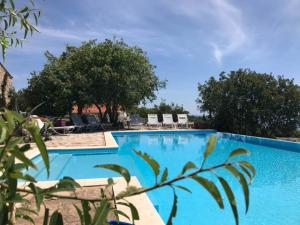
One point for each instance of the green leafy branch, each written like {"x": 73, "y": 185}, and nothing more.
{"x": 25, "y": 16}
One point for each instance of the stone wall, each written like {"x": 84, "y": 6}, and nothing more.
{"x": 5, "y": 86}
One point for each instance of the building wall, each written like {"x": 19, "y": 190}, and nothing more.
{"x": 6, "y": 84}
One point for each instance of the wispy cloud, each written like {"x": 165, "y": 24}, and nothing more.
{"x": 219, "y": 20}
{"x": 60, "y": 34}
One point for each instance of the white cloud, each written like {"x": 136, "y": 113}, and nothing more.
{"x": 219, "y": 20}
{"x": 61, "y": 34}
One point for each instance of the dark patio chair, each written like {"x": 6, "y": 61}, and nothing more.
{"x": 79, "y": 124}
{"x": 92, "y": 121}
{"x": 136, "y": 121}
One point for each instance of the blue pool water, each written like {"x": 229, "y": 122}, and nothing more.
{"x": 274, "y": 194}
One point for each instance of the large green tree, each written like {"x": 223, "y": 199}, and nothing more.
{"x": 110, "y": 73}
{"x": 252, "y": 103}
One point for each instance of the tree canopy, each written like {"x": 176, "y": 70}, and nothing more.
{"x": 109, "y": 72}
{"x": 251, "y": 103}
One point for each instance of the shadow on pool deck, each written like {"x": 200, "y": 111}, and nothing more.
{"x": 66, "y": 206}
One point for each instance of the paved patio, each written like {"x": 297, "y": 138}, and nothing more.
{"x": 77, "y": 140}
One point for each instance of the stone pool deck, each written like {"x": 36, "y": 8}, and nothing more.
{"x": 84, "y": 140}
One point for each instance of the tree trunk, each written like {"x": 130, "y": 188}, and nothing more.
{"x": 115, "y": 113}
{"x": 100, "y": 112}
{"x": 79, "y": 109}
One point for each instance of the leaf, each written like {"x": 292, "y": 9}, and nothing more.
{"x": 12, "y": 186}
{"x": 243, "y": 183}
{"x": 211, "y": 188}
{"x": 46, "y": 216}
{"x": 86, "y": 212}
{"x": 35, "y": 19}
{"x": 239, "y": 151}
{"x": 101, "y": 213}
{"x": 188, "y": 166}
{"x": 248, "y": 166}
{"x": 10, "y": 121}
{"x": 210, "y": 146}
{"x": 24, "y": 148}
{"x": 119, "y": 169}
{"x": 56, "y": 219}
{"x": 35, "y": 132}
{"x": 183, "y": 188}
{"x": 24, "y": 9}
{"x": 37, "y": 192}
{"x": 118, "y": 212}
{"x": 231, "y": 198}
{"x": 151, "y": 162}
{"x": 79, "y": 213}
{"x": 134, "y": 211}
{"x": 245, "y": 170}
{"x": 173, "y": 210}
{"x": 18, "y": 117}
{"x": 21, "y": 156}
{"x": 5, "y": 24}
{"x": 12, "y": 4}
{"x": 3, "y": 134}
{"x": 18, "y": 175}
{"x": 28, "y": 210}
{"x": 25, "y": 217}
{"x": 164, "y": 176}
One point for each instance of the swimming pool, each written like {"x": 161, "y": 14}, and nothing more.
{"x": 274, "y": 194}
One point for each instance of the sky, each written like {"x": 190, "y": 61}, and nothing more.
{"x": 187, "y": 40}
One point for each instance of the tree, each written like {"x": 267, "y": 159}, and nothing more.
{"x": 251, "y": 103}
{"x": 110, "y": 73}
{"x": 63, "y": 82}
{"x": 124, "y": 77}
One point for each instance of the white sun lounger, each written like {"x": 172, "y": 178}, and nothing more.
{"x": 168, "y": 120}
{"x": 183, "y": 120}
{"x": 153, "y": 120}
{"x": 64, "y": 129}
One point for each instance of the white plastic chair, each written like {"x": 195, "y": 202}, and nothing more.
{"x": 153, "y": 120}
{"x": 168, "y": 120}
{"x": 183, "y": 120}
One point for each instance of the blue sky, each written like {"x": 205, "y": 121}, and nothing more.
{"x": 188, "y": 40}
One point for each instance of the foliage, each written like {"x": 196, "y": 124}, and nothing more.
{"x": 110, "y": 73}
{"x": 160, "y": 109}
{"x": 251, "y": 103}
{"x": 15, "y": 18}
{"x": 14, "y": 166}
